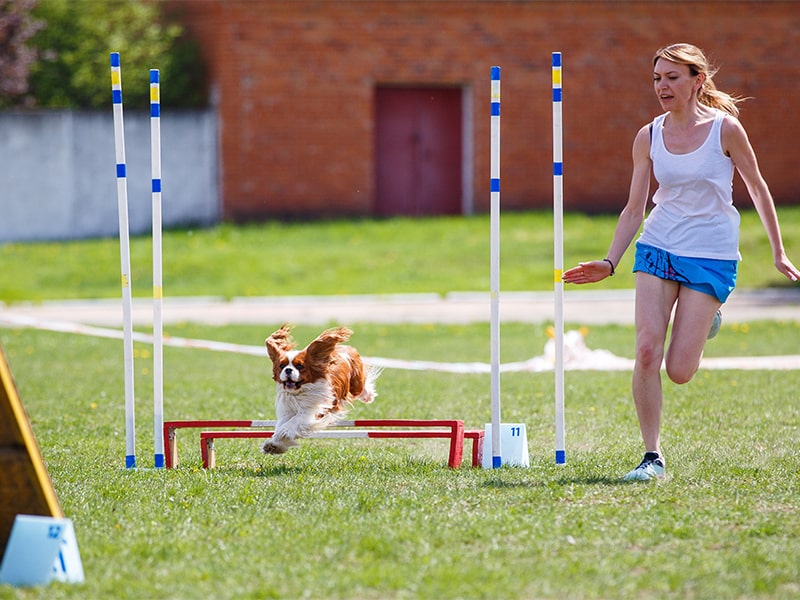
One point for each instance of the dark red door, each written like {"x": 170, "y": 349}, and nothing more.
{"x": 418, "y": 151}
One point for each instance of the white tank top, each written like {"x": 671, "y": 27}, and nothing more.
{"x": 694, "y": 214}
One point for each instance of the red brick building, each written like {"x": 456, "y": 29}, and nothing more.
{"x": 362, "y": 107}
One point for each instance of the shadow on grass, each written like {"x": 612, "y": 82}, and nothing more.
{"x": 563, "y": 481}
{"x": 260, "y": 471}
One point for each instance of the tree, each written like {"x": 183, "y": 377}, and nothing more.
{"x": 78, "y": 36}
{"x": 17, "y": 26}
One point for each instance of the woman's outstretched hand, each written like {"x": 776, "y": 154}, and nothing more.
{"x": 588, "y": 272}
{"x": 785, "y": 266}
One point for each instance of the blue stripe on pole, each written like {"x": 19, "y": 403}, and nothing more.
{"x": 556, "y": 59}
{"x": 495, "y": 109}
{"x": 159, "y": 461}
{"x": 558, "y": 168}
{"x": 130, "y": 461}
{"x": 153, "y": 75}
{"x": 497, "y": 462}
{"x": 156, "y": 185}
{"x": 561, "y": 457}
{"x": 494, "y": 185}
{"x": 495, "y": 73}
{"x": 121, "y": 170}
{"x": 556, "y": 94}
{"x": 116, "y": 96}
{"x": 155, "y": 109}
{"x": 115, "y": 59}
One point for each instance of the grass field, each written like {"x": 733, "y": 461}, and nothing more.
{"x": 387, "y": 519}
{"x": 378, "y": 519}
{"x": 349, "y": 257}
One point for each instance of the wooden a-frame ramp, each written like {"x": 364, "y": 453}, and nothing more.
{"x": 25, "y": 486}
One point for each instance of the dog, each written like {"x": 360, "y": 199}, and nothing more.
{"x": 315, "y": 386}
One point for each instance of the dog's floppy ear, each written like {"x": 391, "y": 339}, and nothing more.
{"x": 322, "y": 347}
{"x": 279, "y": 342}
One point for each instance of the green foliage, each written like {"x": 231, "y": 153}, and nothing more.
{"x": 387, "y": 518}
{"x": 73, "y": 69}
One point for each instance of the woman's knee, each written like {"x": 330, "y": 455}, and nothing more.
{"x": 649, "y": 355}
{"x": 679, "y": 371}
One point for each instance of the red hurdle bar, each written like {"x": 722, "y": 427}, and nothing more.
{"x": 453, "y": 430}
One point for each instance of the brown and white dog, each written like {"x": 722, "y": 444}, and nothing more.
{"x": 316, "y": 385}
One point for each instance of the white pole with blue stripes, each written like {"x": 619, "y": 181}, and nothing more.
{"x": 158, "y": 326}
{"x": 558, "y": 262}
{"x": 125, "y": 260}
{"x": 494, "y": 173}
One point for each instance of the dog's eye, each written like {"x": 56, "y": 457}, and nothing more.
{"x": 299, "y": 366}
{"x": 284, "y": 363}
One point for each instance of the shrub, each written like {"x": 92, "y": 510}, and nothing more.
{"x": 73, "y": 46}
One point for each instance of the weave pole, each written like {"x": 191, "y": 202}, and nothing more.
{"x": 558, "y": 254}
{"x": 494, "y": 186}
{"x": 158, "y": 325}
{"x": 125, "y": 259}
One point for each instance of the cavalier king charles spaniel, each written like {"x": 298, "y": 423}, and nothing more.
{"x": 316, "y": 385}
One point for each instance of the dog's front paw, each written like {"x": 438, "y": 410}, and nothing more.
{"x": 271, "y": 447}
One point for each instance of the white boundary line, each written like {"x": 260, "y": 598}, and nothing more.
{"x": 591, "y": 360}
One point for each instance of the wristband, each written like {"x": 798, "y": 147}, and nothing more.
{"x": 608, "y": 260}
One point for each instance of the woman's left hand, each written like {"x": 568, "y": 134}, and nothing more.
{"x": 785, "y": 266}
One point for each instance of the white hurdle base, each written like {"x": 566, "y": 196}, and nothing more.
{"x": 513, "y": 445}
{"x": 40, "y": 550}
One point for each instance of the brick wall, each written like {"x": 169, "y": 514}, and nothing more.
{"x": 295, "y": 85}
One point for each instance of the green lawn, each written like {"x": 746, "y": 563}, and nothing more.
{"x": 388, "y": 519}
{"x": 349, "y": 257}
{"x": 373, "y": 519}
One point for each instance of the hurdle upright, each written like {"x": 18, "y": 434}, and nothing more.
{"x": 125, "y": 259}
{"x": 494, "y": 187}
{"x": 558, "y": 254}
{"x": 158, "y": 327}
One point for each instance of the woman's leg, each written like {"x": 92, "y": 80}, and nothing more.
{"x": 654, "y": 301}
{"x": 694, "y": 313}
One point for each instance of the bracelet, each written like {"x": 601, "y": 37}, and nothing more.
{"x": 608, "y": 260}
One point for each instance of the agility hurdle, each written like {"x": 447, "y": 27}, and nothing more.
{"x": 451, "y": 429}
{"x": 125, "y": 263}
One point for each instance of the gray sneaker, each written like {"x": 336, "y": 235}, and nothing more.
{"x": 651, "y": 467}
{"x": 715, "y": 325}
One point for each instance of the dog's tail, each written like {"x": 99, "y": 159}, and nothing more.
{"x": 370, "y": 393}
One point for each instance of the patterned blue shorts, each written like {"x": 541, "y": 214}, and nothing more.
{"x": 711, "y": 276}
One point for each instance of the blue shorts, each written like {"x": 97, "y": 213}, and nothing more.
{"x": 708, "y": 275}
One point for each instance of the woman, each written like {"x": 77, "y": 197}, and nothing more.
{"x": 687, "y": 254}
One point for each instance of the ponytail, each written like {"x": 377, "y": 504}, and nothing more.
{"x": 709, "y": 95}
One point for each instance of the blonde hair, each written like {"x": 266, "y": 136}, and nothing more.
{"x": 694, "y": 58}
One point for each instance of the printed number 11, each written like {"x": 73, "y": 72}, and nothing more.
{"x": 515, "y": 431}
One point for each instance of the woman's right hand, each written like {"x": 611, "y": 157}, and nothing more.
{"x": 588, "y": 272}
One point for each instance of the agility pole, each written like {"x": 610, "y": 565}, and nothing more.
{"x": 558, "y": 257}
{"x": 494, "y": 186}
{"x": 125, "y": 259}
{"x": 158, "y": 324}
